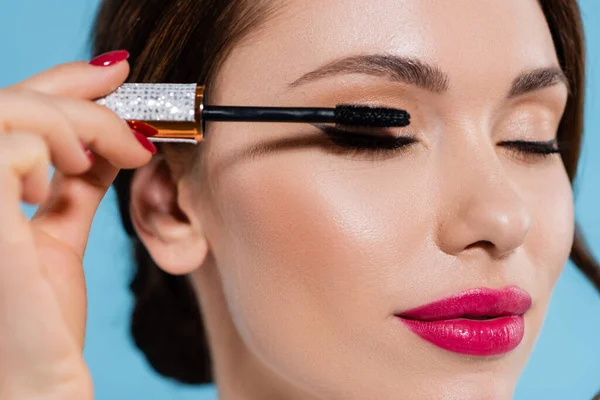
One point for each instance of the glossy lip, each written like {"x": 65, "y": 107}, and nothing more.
{"x": 480, "y": 321}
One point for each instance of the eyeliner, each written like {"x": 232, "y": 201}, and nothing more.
{"x": 179, "y": 113}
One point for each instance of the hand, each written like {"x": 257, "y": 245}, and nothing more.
{"x": 49, "y": 118}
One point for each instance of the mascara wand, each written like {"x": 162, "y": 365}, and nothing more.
{"x": 179, "y": 114}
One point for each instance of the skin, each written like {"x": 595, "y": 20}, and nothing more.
{"x": 301, "y": 255}
{"x": 42, "y": 288}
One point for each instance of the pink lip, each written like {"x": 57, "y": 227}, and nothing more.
{"x": 455, "y": 323}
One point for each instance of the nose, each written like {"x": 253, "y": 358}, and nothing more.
{"x": 481, "y": 207}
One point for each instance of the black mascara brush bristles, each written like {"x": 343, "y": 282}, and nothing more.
{"x": 371, "y": 117}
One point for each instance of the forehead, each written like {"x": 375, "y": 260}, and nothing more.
{"x": 473, "y": 41}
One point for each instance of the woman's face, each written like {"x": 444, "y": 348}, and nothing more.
{"x": 319, "y": 248}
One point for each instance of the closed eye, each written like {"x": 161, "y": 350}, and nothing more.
{"x": 531, "y": 151}
{"x": 382, "y": 143}
{"x": 372, "y": 142}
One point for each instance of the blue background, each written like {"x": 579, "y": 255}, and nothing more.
{"x": 35, "y": 35}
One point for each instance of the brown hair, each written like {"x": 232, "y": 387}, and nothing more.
{"x": 184, "y": 41}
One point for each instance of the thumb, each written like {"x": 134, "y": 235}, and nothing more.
{"x": 68, "y": 213}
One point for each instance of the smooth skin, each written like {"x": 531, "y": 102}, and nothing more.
{"x": 45, "y": 120}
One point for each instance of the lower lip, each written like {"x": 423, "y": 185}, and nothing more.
{"x": 474, "y": 337}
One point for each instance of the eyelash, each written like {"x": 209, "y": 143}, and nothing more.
{"x": 382, "y": 143}
{"x": 530, "y": 151}
{"x": 359, "y": 143}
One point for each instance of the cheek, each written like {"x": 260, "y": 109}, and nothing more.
{"x": 551, "y": 236}
{"x": 320, "y": 250}
{"x": 322, "y": 235}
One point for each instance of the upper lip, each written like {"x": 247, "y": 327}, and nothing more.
{"x": 475, "y": 303}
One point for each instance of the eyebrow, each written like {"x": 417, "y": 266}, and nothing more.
{"x": 399, "y": 69}
{"x": 415, "y": 72}
{"x": 537, "y": 79}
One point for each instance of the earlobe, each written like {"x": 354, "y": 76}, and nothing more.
{"x": 173, "y": 237}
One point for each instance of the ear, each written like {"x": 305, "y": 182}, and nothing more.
{"x": 164, "y": 219}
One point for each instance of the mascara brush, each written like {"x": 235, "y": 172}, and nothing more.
{"x": 179, "y": 113}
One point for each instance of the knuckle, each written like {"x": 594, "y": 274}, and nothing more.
{"x": 44, "y": 105}
{"x": 111, "y": 121}
{"x": 67, "y": 70}
{"x": 61, "y": 117}
{"x": 36, "y": 145}
{"x": 9, "y": 182}
{"x": 107, "y": 113}
{"x": 17, "y": 148}
{"x": 63, "y": 69}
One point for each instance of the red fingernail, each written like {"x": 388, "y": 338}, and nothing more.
{"x": 110, "y": 58}
{"x": 143, "y": 128}
{"x": 145, "y": 142}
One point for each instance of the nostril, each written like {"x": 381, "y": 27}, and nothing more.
{"x": 484, "y": 244}
{"x": 497, "y": 251}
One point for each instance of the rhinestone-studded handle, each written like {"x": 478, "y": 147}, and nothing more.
{"x": 153, "y": 102}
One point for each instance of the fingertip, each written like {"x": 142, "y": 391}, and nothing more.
{"x": 108, "y": 79}
{"x": 144, "y": 151}
{"x": 144, "y": 148}
{"x": 146, "y": 144}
